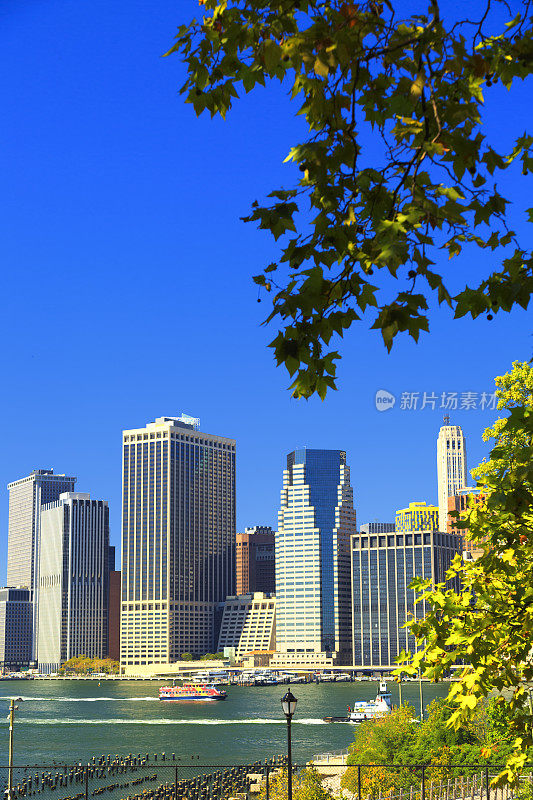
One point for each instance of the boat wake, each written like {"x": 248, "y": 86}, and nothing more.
{"x": 84, "y": 699}
{"x": 166, "y": 721}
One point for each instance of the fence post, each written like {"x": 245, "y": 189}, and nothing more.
{"x": 176, "y": 782}
{"x": 267, "y": 786}
{"x": 86, "y": 783}
{"x": 359, "y": 782}
{"x": 487, "y": 790}
{"x": 423, "y": 793}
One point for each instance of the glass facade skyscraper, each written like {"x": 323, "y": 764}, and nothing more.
{"x": 316, "y": 520}
{"x": 383, "y": 566}
{"x": 178, "y": 539}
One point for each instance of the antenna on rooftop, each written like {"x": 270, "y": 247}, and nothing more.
{"x": 446, "y": 420}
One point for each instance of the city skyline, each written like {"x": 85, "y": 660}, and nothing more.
{"x": 116, "y": 539}
{"x": 95, "y": 216}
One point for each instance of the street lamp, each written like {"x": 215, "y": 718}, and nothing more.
{"x": 12, "y": 708}
{"x": 288, "y": 704}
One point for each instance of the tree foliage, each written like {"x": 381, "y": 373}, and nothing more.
{"x": 396, "y": 171}
{"x": 306, "y": 785}
{"x": 84, "y": 665}
{"x": 399, "y": 739}
{"x": 489, "y": 624}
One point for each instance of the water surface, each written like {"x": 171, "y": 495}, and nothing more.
{"x": 71, "y": 721}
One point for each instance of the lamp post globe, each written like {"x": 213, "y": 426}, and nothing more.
{"x": 288, "y": 704}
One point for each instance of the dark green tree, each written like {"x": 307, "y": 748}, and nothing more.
{"x": 363, "y": 228}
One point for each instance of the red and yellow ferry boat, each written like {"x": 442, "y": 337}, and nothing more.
{"x": 192, "y": 691}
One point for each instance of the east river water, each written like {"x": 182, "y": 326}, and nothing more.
{"x": 67, "y": 722}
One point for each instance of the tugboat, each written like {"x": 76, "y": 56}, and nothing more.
{"x": 373, "y": 709}
{"x": 192, "y": 691}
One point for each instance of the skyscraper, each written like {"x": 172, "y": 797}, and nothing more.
{"x": 316, "y": 520}
{"x": 451, "y": 466}
{"x": 16, "y": 628}
{"x": 382, "y": 569}
{"x": 178, "y": 539}
{"x": 255, "y": 560}
{"x": 73, "y": 580}
{"x": 26, "y": 496}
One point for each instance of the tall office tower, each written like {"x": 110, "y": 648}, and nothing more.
{"x": 255, "y": 560}
{"x": 382, "y": 569}
{"x": 451, "y": 466}
{"x": 178, "y": 539}
{"x": 316, "y": 520}
{"x": 417, "y": 517}
{"x": 377, "y": 527}
{"x": 16, "y": 628}
{"x": 26, "y": 496}
{"x": 73, "y": 580}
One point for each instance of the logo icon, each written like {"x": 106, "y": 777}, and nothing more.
{"x": 384, "y": 400}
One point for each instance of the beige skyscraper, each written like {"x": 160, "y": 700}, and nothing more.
{"x": 178, "y": 539}
{"x": 73, "y": 580}
{"x": 26, "y": 496}
{"x": 451, "y": 466}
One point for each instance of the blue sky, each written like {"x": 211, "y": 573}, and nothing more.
{"x": 127, "y": 289}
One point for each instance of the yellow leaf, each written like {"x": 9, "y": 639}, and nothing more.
{"x": 470, "y": 701}
{"x": 321, "y": 68}
{"x": 418, "y": 85}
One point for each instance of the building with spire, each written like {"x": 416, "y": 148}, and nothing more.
{"x": 451, "y": 467}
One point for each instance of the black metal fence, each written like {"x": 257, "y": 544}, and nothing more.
{"x": 138, "y": 777}
{"x": 167, "y": 776}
